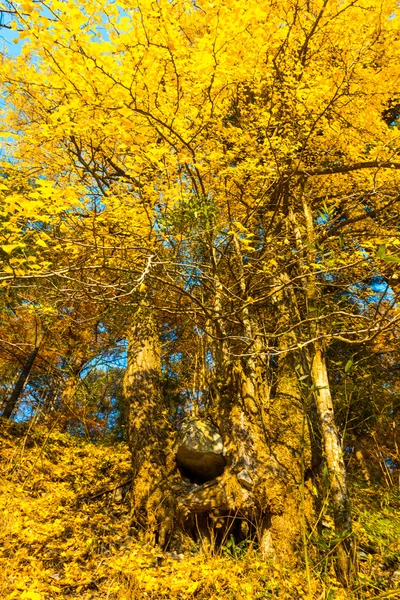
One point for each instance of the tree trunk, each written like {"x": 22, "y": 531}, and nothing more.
{"x": 330, "y": 436}
{"x": 362, "y": 463}
{"x": 69, "y": 411}
{"x": 335, "y": 463}
{"x": 13, "y": 400}
{"x": 288, "y": 429}
{"x": 260, "y": 489}
{"x": 258, "y": 495}
{"x": 149, "y": 431}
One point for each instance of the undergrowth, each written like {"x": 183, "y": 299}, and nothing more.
{"x": 64, "y": 525}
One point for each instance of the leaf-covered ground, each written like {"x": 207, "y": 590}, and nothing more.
{"x": 64, "y": 533}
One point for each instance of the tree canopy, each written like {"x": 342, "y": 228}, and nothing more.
{"x": 207, "y": 193}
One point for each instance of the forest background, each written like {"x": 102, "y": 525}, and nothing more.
{"x": 200, "y": 224}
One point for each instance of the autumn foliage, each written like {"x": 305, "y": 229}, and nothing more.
{"x": 65, "y": 534}
{"x": 199, "y": 208}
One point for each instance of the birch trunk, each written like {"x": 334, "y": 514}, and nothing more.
{"x": 335, "y": 463}
{"x": 332, "y": 447}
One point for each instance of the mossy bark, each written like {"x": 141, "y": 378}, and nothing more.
{"x": 258, "y": 494}
{"x": 148, "y": 429}
{"x": 265, "y": 446}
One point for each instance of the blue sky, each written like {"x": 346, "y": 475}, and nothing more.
{"x": 7, "y": 46}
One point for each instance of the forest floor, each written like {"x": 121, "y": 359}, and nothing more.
{"x": 64, "y": 534}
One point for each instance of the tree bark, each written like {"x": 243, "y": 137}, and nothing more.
{"x": 13, "y": 400}
{"x": 262, "y": 432}
{"x": 258, "y": 494}
{"x": 68, "y": 409}
{"x": 335, "y": 463}
{"x": 330, "y": 436}
{"x": 362, "y": 463}
{"x": 149, "y": 431}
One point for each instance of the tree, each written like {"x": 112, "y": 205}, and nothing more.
{"x": 238, "y": 156}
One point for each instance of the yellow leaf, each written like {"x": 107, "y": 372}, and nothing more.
{"x": 9, "y": 247}
{"x": 31, "y": 595}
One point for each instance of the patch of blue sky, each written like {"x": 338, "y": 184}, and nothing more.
{"x": 382, "y": 292}
{"x": 116, "y": 358}
{"x": 9, "y": 42}
{"x": 25, "y": 410}
{"x": 175, "y": 357}
{"x": 11, "y": 45}
{"x": 209, "y": 359}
